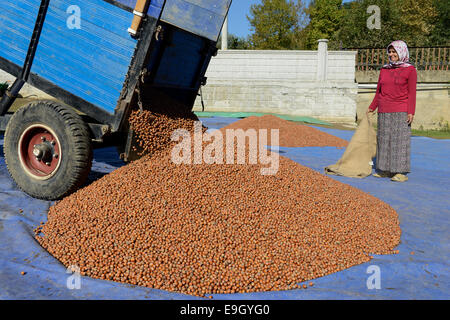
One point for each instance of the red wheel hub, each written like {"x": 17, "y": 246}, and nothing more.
{"x": 40, "y": 151}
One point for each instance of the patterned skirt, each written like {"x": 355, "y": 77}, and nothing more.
{"x": 393, "y": 143}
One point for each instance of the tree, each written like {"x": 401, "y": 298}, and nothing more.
{"x": 275, "y": 24}
{"x": 354, "y": 31}
{"x": 235, "y": 42}
{"x": 414, "y": 21}
{"x": 287, "y": 24}
{"x": 240, "y": 43}
{"x": 325, "y": 19}
{"x": 440, "y": 34}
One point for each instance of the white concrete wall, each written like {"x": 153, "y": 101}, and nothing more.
{"x": 284, "y": 82}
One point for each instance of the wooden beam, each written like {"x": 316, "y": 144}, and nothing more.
{"x": 139, "y": 14}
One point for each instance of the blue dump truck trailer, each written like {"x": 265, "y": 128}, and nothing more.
{"x": 100, "y": 59}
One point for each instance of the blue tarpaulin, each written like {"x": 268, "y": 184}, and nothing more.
{"x": 423, "y": 205}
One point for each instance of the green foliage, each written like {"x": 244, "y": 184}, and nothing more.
{"x": 440, "y": 133}
{"x": 417, "y": 22}
{"x": 275, "y": 24}
{"x": 441, "y": 31}
{"x": 235, "y": 42}
{"x": 325, "y": 19}
{"x": 287, "y": 24}
{"x": 3, "y": 88}
{"x": 353, "y": 31}
{"x": 238, "y": 43}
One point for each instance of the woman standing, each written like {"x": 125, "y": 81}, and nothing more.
{"x": 396, "y": 102}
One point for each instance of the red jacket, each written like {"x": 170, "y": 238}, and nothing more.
{"x": 396, "y": 91}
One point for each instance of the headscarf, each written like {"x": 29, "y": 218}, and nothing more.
{"x": 403, "y": 55}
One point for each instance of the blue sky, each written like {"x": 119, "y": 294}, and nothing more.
{"x": 237, "y": 21}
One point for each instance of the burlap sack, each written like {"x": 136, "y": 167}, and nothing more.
{"x": 356, "y": 162}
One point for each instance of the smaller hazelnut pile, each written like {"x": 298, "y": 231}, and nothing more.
{"x": 291, "y": 134}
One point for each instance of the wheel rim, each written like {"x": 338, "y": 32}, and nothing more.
{"x": 40, "y": 151}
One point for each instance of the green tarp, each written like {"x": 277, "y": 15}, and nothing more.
{"x": 205, "y": 114}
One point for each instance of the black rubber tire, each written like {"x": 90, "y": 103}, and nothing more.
{"x": 74, "y": 140}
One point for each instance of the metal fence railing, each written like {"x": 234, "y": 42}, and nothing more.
{"x": 423, "y": 58}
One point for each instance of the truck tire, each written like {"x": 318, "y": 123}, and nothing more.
{"x": 47, "y": 150}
